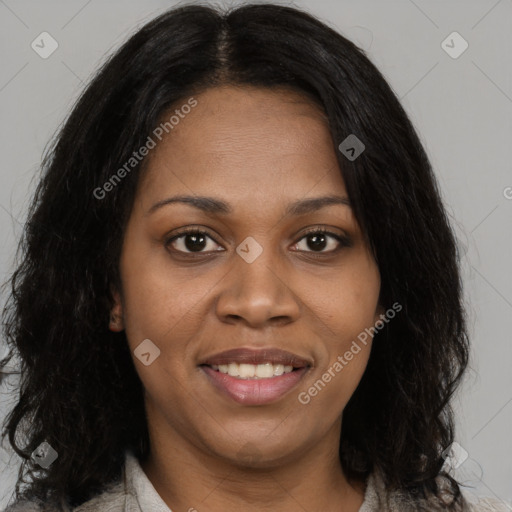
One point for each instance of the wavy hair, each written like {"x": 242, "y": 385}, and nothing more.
{"x": 79, "y": 390}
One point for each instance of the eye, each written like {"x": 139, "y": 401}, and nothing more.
{"x": 190, "y": 241}
{"x": 318, "y": 240}
{"x": 195, "y": 241}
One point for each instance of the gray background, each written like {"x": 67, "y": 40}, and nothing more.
{"x": 461, "y": 107}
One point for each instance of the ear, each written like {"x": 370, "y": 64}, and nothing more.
{"x": 116, "y": 323}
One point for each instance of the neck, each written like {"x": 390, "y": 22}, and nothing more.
{"x": 188, "y": 478}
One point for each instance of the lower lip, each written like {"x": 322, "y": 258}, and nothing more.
{"x": 254, "y": 391}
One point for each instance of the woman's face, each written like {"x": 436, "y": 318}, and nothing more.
{"x": 255, "y": 280}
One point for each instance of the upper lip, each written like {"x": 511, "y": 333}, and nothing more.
{"x": 257, "y": 356}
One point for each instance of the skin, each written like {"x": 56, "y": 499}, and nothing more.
{"x": 257, "y": 150}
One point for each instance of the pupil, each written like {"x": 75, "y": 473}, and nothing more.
{"x": 195, "y": 238}
{"x": 316, "y": 244}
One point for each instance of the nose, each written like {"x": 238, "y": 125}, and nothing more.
{"x": 258, "y": 293}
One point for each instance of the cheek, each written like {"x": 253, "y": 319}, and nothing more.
{"x": 343, "y": 307}
{"x": 358, "y": 297}
{"x": 158, "y": 301}
{"x": 335, "y": 382}
{"x": 345, "y": 310}
{"x": 349, "y": 354}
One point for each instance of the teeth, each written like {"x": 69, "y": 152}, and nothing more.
{"x": 253, "y": 371}
{"x": 247, "y": 370}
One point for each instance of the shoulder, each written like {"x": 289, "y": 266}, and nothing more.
{"x": 114, "y": 499}
{"x": 30, "y": 506}
{"x": 487, "y": 504}
{"x": 121, "y": 495}
{"x": 378, "y": 498}
{"x": 24, "y": 506}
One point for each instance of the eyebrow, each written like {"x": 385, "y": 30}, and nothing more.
{"x": 215, "y": 206}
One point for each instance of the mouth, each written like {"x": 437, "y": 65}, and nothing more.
{"x": 253, "y": 371}
{"x": 255, "y": 377}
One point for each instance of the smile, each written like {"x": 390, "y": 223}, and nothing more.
{"x": 253, "y": 371}
{"x": 254, "y": 390}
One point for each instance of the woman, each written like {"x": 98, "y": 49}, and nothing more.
{"x": 239, "y": 288}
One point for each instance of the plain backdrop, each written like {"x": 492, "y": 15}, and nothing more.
{"x": 461, "y": 105}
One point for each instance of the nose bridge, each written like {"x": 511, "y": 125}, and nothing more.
{"x": 256, "y": 289}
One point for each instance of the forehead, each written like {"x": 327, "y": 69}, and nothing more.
{"x": 246, "y": 141}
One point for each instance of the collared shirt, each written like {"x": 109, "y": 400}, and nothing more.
{"x": 134, "y": 492}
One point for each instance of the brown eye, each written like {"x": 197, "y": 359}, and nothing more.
{"x": 191, "y": 241}
{"x": 320, "y": 239}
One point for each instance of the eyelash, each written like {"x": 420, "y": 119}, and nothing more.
{"x": 343, "y": 240}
